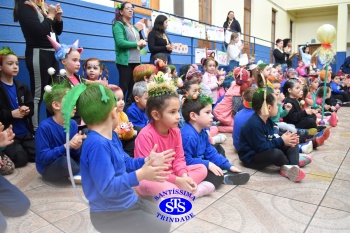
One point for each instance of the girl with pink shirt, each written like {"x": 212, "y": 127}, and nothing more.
{"x": 209, "y": 77}
{"x": 163, "y": 109}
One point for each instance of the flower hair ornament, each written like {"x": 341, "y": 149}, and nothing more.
{"x": 118, "y": 5}
{"x": 61, "y": 50}
{"x": 206, "y": 99}
{"x": 162, "y": 85}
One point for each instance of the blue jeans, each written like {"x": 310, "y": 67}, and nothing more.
{"x": 232, "y": 65}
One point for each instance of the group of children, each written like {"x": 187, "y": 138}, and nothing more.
{"x": 162, "y": 137}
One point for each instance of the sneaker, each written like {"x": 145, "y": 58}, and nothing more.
{"x": 303, "y": 132}
{"x": 219, "y": 138}
{"x": 204, "y": 188}
{"x": 304, "y": 160}
{"x": 292, "y": 172}
{"x": 76, "y": 178}
{"x": 317, "y": 141}
{"x": 306, "y": 147}
{"x": 236, "y": 178}
{"x": 333, "y": 120}
{"x": 324, "y": 133}
{"x": 320, "y": 128}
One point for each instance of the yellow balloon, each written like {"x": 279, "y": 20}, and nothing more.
{"x": 326, "y": 34}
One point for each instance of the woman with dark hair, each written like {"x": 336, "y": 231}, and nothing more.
{"x": 38, "y": 20}
{"x": 128, "y": 42}
{"x": 279, "y": 55}
{"x": 232, "y": 23}
{"x": 305, "y": 54}
{"x": 287, "y": 48}
{"x": 158, "y": 40}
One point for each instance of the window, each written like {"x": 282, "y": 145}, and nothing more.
{"x": 247, "y": 23}
{"x": 179, "y": 7}
{"x": 205, "y": 11}
{"x": 291, "y": 30}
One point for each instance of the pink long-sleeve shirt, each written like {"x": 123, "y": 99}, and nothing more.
{"x": 211, "y": 81}
{"x": 149, "y": 136}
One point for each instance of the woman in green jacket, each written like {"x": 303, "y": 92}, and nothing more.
{"x": 128, "y": 42}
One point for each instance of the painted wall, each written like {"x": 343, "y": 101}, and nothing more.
{"x": 166, "y": 6}
{"x": 287, "y": 4}
{"x": 222, "y": 7}
{"x": 191, "y": 9}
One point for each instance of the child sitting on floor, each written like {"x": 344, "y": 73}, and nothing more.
{"x": 112, "y": 200}
{"x": 197, "y": 148}
{"x": 124, "y": 127}
{"x": 136, "y": 112}
{"x": 16, "y": 109}
{"x": 51, "y": 160}
{"x": 259, "y": 148}
{"x": 163, "y": 108}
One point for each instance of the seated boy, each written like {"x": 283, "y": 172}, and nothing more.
{"x": 16, "y": 109}
{"x": 243, "y": 115}
{"x": 136, "y": 112}
{"x": 108, "y": 173}
{"x": 197, "y": 148}
{"x": 51, "y": 161}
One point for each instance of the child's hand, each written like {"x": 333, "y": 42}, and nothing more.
{"x": 129, "y": 126}
{"x": 7, "y": 136}
{"x": 159, "y": 159}
{"x": 152, "y": 173}
{"x": 310, "y": 111}
{"x": 234, "y": 169}
{"x": 290, "y": 139}
{"x": 24, "y": 109}
{"x": 288, "y": 107}
{"x": 186, "y": 183}
{"x": 215, "y": 169}
{"x": 280, "y": 97}
{"x": 76, "y": 142}
{"x": 17, "y": 113}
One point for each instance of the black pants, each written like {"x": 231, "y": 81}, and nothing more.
{"x": 343, "y": 96}
{"x": 307, "y": 122}
{"x": 214, "y": 179}
{"x": 126, "y": 79}
{"x": 278, "y": 157}
{"x": 38, "y": 61}
{"x": 13, "y": 202}
{"x": 22, "y": 150}
{"x": 58, "y": 170}
{"x": 142, "y": 217}
{"x": 129, "y": 146}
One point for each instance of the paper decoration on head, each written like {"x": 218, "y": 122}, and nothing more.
{"x": 61, "y": 50}
{"x": 162, "y": 85}
{"x": 264, "y": 109}
{"x": 241, "y": 75}
{"x": 6, "y": 51}
{"x": 323, "y": 75}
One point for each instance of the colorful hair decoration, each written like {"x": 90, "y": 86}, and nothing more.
{"x": 264, "y": 109}
{"x": 118, "y": 6}
{"x": 221, "y": 72}
{"x": 55, "y": 92}
{"x": 192, "y": 72}
{"x": 162, "y": 85}
{"x": 206, "y": 99}
{"x": 143, "y": 70}
{"x": 61, "y": 50}
{"x": 4, "y": 52}
{"x": 241, "y": 75}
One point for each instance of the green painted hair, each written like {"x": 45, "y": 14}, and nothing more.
{"x": 90, "y": 105}
{"x": 59, "y": 90}
{"x": 195, "y": 105}
{"x": 93, "y": 100}
{"x": 172, "y": 68}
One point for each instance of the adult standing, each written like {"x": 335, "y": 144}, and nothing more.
{"x": 280, "y": 56}
{"x": 38, "y": 20}
{"x": 232, "y": 23}
{"x": 287, "y": 48}
{"x": 128, "y": 42}
{"x": 158, "y": 40}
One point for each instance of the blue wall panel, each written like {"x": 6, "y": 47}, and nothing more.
{"x": 262, "y": 53}
{"x": 340, "y": 58}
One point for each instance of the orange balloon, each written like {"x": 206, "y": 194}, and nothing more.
{"x": 323, "y": 75}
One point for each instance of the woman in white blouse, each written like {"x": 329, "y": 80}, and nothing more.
{"x": 234, "y": 51}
